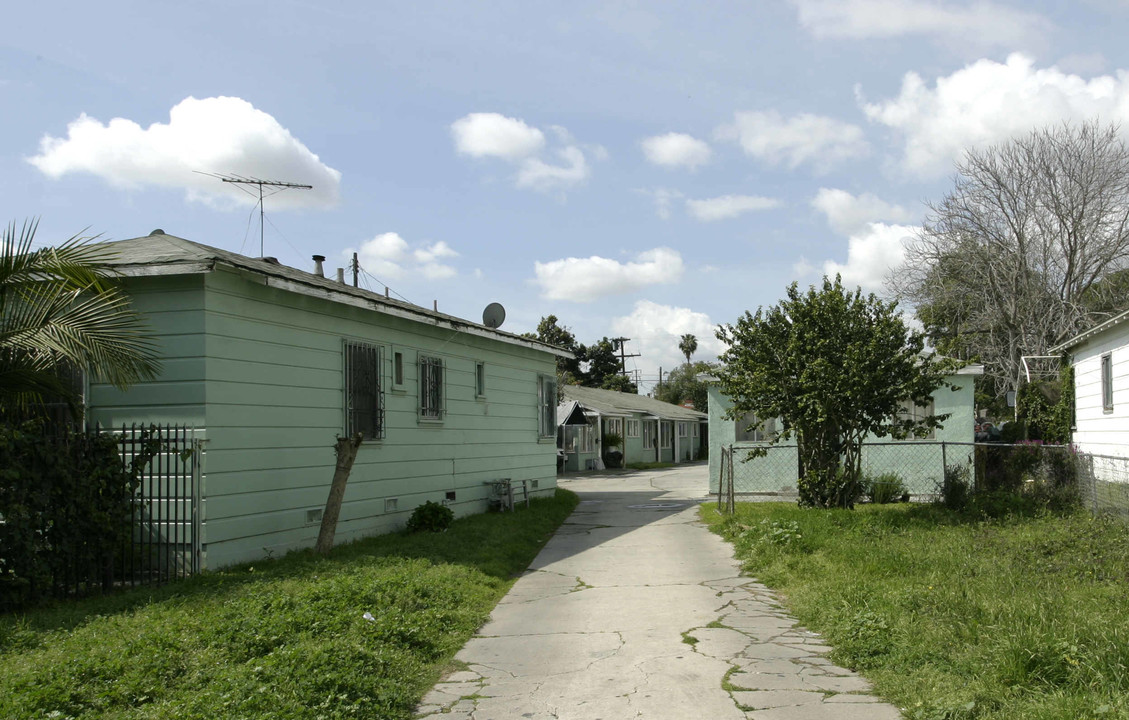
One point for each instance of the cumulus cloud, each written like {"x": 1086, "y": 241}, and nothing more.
{"x": 979, "y": 24}
{"x": 728, "y": 206}
{"x": 495, "y": 135}
{"x": 492, "y": 135}
{"x": 592, "y": 278}
{"x": 803, "y": 139}
{"x": 655, "y": 331}
{"x": 849, "y": 214}
{"x": 988, "y": 102}
{"x": 224, "y": 135}
{"x": 389, "y": 257}
{"x": 872, "y": 254}
{"x": 676, "y": 150}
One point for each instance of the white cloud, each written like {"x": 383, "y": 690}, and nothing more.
{"x": 225, "y": 135}
{"x": 805, "y": 138}
{"x": 849, "y": 214}
{"x": 802, "y": 267}
{"x": 592, "y": 278}
{"x": 988, "y": 102}
{"x": 728, "y": 206}
{"x": 676, "y": 150}
{"x": 540, "y": 175}
{"x": 510, "y": 139}
{"x": 977, "y": 24}
{"x": 495, "y": 135}
{"x": 655, "y": 331}
{"x": 389, "y": 257}
{"x": 871, "y": 255}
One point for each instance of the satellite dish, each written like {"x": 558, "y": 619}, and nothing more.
{"x": 494, "y": 315}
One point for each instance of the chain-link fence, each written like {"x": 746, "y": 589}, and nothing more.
{"x": 918, "y": 470}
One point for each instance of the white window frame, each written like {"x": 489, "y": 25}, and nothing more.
{"x": 1107, "y": 382}
{"x": 546, "y": 406}
{"x": 650, "y": 430}
{"x": 761, "y": 430}
{"x": 632, "y": 427}
{"x": 398, "y": 362}
{"x": 683, "y": 430}
{"x": 586, "y": 439}
{"x": 614, "y": 425}
{"x": 479, "y": 380}
{"x": 666, "y": 434}
{"x": 912, "y": 411}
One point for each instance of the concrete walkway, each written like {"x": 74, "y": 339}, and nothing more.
{"x": 635, "y": 610}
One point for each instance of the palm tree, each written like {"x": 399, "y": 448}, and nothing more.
{"x": 60, "y": 308}
{"x": 688, "y": 345}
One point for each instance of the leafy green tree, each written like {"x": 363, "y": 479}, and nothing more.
{"x": 619, "y": 383}
{"x": 688, "y": 345}
{"x": 834, "y": 366}
{"x": 59, "y": 306}
{"x": 682, "y": 385}
{"x": 598, "y": 362}
{"x": 549, "y": 330}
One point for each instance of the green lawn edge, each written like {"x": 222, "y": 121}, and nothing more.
{"x": 953, "y": 616}
{"x": 283, "y": 638}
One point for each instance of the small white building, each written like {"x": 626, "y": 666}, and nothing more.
{"x": 1100, "y": 357}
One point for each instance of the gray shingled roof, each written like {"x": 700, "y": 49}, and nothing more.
{"x": 611, "y": 402}
{"x": 161, "y": 254}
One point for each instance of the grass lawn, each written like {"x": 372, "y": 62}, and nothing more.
{"x": 283, "y": 638}
{"x": 954, "y": 616}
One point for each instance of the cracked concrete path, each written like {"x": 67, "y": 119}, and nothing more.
{"x": 635, "y": 610}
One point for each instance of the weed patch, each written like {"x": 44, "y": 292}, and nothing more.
{"x": 986, "y": 613}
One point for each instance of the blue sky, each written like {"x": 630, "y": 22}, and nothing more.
{"x": 637, "y": 169}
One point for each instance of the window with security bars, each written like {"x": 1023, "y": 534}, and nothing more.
{"x": 430, "y": 388}
{"x": 364, "y": 394}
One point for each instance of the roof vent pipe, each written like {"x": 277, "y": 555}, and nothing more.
{"x": 318, "y": 260}
{"x": 341, "y": 275}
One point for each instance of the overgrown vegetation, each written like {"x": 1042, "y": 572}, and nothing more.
{"x": 362, "y": 632}
{"x": 65, "y": 505}
{"x": 835, "y": 367}
{"x": 998, "y": 612}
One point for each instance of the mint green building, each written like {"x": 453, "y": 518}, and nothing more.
{"x": 652, "y": 430}
{"x": 919, "y": 462}
{"x": 271, "y": 364}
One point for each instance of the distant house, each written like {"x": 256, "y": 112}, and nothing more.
{"x": 652, "y": 430}
{"x": 271, "y": 364}
{"x": 1100, "y": 357}
{"x": 919, "y": 462}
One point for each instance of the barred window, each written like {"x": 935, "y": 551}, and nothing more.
{"x": 430, "y": 388}
{"x": 364, "y": 395}
{"x": 633, "y": 428}
{"x": 546, "y": 406}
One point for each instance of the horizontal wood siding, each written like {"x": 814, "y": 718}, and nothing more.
{"x": 1099, "y": 431}
{"x": 173, "y": 311}
{"x": 275, "y": 389}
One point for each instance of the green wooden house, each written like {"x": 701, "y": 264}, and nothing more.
{"x": 918, "y": 462}
{"x": 271, "y": 364}
{"x": 652, "y": 430}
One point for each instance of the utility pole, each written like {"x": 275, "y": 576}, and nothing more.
{"x": 240, "y": 180}
{"x": 357, "y": 270}
{"x": 619, "y": 342}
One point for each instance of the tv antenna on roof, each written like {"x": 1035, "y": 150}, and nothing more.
{"x": 238, "y": 180}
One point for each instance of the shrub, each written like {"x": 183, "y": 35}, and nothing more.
{"x": 66, "y": 502}
{"x": 956, "y": 488}
{"x": 885, "y": 488}
{"x": 841, "y": 491}
{"x": 431, "y": 517}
